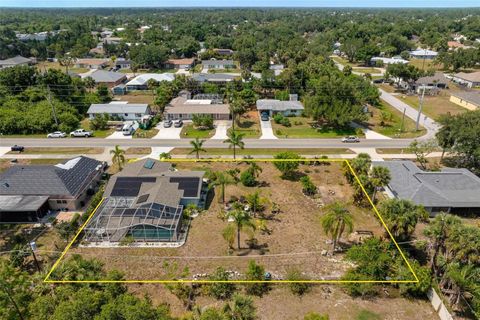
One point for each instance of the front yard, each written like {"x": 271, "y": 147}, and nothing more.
{"x": 189, "y": 131}
{"x": 248, "y": 125}
{"x": 301, "y": 127}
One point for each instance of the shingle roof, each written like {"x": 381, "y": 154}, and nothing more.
{"x": 14, "y": 61}
{"x": 102, "y": 76}
{"x": 214, "y": 77}
{"x": 473, "y": 76}
{"x": 217, "y": 62}
{"x": 437, "y": 78}
{"x": 118, "y": 108}
{"x": 277, "y": 105}
{"x": 68, "y": 178}
{"x": 181, "y": 105}
{"x": 470, "y": 96}
{"x": 450, "y": 187}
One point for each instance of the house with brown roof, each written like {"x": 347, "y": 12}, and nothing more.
{"x": 184, "y": 107}
{"x": 179, "y": 63}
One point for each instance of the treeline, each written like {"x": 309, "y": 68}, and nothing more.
{"x": 33, "y": 102}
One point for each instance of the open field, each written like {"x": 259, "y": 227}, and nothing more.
{"x": 290, "y": 238}
{"x": 345, "y": 62}
{"x": 46, "y": 65}
{"x": 366, "y": 70}
{"x": 301, "y": 127}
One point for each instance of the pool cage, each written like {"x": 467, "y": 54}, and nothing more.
{"x": 118, "y": 218}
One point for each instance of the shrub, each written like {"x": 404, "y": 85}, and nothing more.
{"x": 256, "y": 272}
{"x": 278, "y": 118}
{"x": 297, "y": 288}
{"x": 220, "y": 290}
{"x": 286, "y": 122}
{"x": 247, "y": 178}
{"x": 308, "y": 187}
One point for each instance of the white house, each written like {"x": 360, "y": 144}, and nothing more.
{"x": 293, "y": 107}
{"x": 121, "y": 110}
{"x": 386, "y": 61}
{"x": 141, "y": 82}
{"x": 423, "y": 54}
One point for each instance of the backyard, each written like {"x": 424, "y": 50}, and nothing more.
{"x": 290, "y": 236}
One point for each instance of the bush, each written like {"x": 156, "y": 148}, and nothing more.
{"x": 256, "y": 272}
{"x": 220, "y": 290}
{"x": 278, "y": 118}
{"x": 308, "y": 187}
{"x": 297, "y": 288}
{"x": 286, "y": 122}
{"x": 247, "y": 178}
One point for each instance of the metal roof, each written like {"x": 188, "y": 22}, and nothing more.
{"x": 102, "y": 76}
{"x": 118, "y": 108}
{"x": 450, "y": 187}
{"x": 142, "y": 79}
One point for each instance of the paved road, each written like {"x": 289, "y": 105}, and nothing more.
{"x": 431, "y": 126}
{"x": 185, "y": 143}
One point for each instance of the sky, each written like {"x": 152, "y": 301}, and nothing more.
{"x": 240, "y": 3}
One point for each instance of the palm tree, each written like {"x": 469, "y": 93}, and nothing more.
{"x": 197, "y": 147}
{"x": 241, "y": 308}
{"x": 222, "y": 179}
{"x": 235, "y": 140}
{"x": 459, "y": 282}
{"x": 242, "y": 221}
{"x": 336, "y": 221}
{"x": 67, "y": 62}
{"x": 380, "y": 177}
{"x": 401, "y": 217}
{"x": 255, "y": 169}
{"x": 255, "y": 201}
{"x": 118, "y": 156}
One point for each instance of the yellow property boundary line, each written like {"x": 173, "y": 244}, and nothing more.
{"x": 56, "y": 264}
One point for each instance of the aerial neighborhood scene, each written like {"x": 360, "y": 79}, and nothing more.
{"x": 236, "y": 163}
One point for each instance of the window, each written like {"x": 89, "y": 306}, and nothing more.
{"x": 138, "y": 115}
{"x": 64, "y": 201}
{"x": 59, "y": 201}
{"x": 126, "y": 114}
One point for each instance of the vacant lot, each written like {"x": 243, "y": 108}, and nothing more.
{"x": 290, "y": 238}
{"x": 301, "y": 127}
{"x": 434, "y": 106}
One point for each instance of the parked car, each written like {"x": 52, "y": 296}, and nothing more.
{"x": 17, "y": 148}
{"x": 350, "y": 139}
{"x": 81, "y": 133}
{"x": 57, "y": 134}
{"x": 128, "y": 128}
{"x": 167, "y": 123}
{"x": 264, "y": 116}
{"x": 178, "y": 123}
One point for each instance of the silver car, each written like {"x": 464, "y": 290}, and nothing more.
{"x": 57, "y": 134}
{"x": 350, "y": 139}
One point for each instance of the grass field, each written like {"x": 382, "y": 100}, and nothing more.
{"x": 393, "y": 127}
{"x": 434, "y": 106}
{"x": 302, "y": 128}
{"x": 253, "y": 152}
{"x": 85, "y": 124}
{"x": 189, "y": 132}
{"x": 345, "y": 62}
{"x": 150, "y": 133}
{"x": 366, "y": 70}
{"x": 143, "y": 96}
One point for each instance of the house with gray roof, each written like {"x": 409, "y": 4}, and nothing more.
{"x": 184, "y": 107}
{"x": 27, "y": 192}
{"x": 468, "y": 99}
{"x": 431, "y": 83}
{"x": 218, "y": 78}
{"x": 121, "y": 110}
{"x": 293, "y": 107}
{"x": 145, "y": 201}
{"x": 15, "y": 61}
{"x": 103, "y": 77}
{"x": 449, "y": 190}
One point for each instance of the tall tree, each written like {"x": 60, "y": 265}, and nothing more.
{"x": 242, "y": 221}
{"x": 401, "y": 217}
{"x": 235, "y": 139}
{"x": 197, "y": 147}
{"x": 380, "y": 177}
{"x": 221, "y": 179}
{"x": 118, "y": 156}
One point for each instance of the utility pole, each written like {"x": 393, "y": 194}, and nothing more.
{"x": 33, "y": 247}
{"x": 49, "y": 98}
{"x": 420, "y": 109}
{"x": 403, "y": 120}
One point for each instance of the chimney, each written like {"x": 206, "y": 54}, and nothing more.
{"x": 293, "y": 97}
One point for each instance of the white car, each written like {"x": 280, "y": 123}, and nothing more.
{"x": 57, "y": 134}
{"x": 350, "y": 139}
{"x": 81, "y": 133}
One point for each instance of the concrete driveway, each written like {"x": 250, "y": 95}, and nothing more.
{"x": 267, "y": 131}
{"x": 118, "y": 135}
{"x": 167, "y": 133}
{"x": 221, "y": 128}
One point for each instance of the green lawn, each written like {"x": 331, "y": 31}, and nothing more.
{"x": 85, "y": 124}
{"x": 345, "y": 62}
{"x": 150, "y": 133}
{"x": 29, "y": 136}
{"x": 301, "y": 128}
{"x": 271, "y": 151}
{"x": 367, "y": 70}
{"x": 249, "y": 126}
{"x": 72, "y": 150}
{"x": 393, "y": 127}
{"x": 189, "y": 131}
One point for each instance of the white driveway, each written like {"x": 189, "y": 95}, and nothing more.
{"x": 167, "y": 133}
{"x": 221, "y": 128}
{"x": 157, "y": 151}
{"x": 118, "y": 135}
{"x": 267, "y": 131}
{"x": 4, "y": 150}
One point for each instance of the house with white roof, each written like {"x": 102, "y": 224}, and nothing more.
{"x": 141, "y": 82}
{"x": 15, "y": 61}
{"x": 387, "y": 61}
{"x": 293, "y": 107}
{"x": 423, "y": 54}
{"x": 121, "y": 110}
